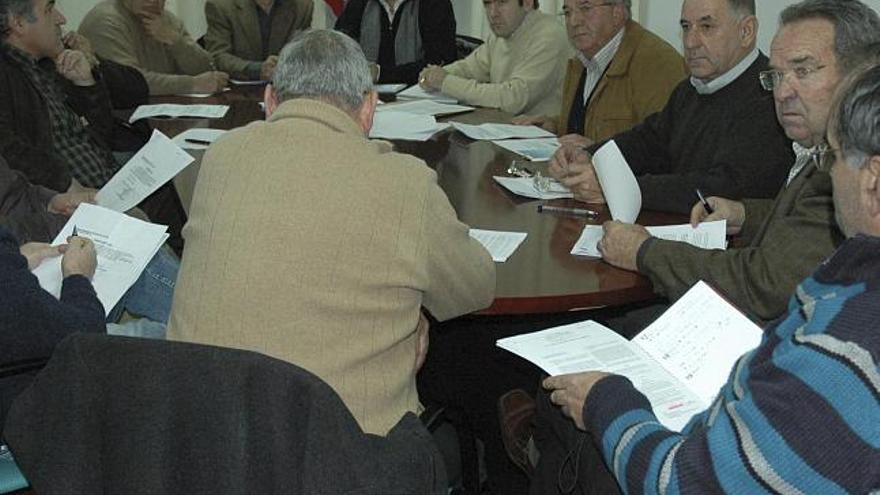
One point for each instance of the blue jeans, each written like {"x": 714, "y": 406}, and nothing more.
{"x": 151, "y": 295}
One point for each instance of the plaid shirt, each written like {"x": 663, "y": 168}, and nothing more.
{"x": 90, "y": 162}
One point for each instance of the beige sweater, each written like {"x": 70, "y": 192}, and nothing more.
{"x": 116, "y": 34}
{"x": 309, "y": 243}
{"x": 519, "y": 74}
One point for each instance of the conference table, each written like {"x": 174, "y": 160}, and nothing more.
{"x": 541, "y": 276}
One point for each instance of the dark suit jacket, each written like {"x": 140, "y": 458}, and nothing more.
{"x": 23, "y": 207}
{"x": 137, "y": 416}
{"x": 233, "y": 36}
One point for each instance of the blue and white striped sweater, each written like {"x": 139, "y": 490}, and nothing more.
{"x": 799, "y": 414}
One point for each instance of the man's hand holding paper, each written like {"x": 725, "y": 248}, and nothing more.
{"x": 621, "y": 242}
{"x": 66, "y": 203}
{"x": 573, "y": 168}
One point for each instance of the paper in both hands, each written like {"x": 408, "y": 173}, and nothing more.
{"x": 198, "y": 134}
{"x": 707, "y": 235}
{"x": 494, "y": 132}
{"x": 153, "y": 165}
{"x": 404, "y": 126}
{"x": 499, "y": 244}
{"x": 170, "y": 110}
{"x": 124, "y": 246}
{"x": 525, "y": 186}
{"x": 536, "y": 150}
{"x": 619, "y": 185}
{"x": 424, "y": 107}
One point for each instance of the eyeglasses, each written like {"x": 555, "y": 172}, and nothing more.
{"x": 824, "y": 157}
{"x": 584, "y": 8}
{"x": 540, "y": 182}
{"x": 772, "y": 79}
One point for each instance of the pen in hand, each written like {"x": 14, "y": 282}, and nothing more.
{"x": 705, "y": 203}
{"x": 581, "y": 212}
{"x": 198, "y": 141}
{"x": 74, "y": 234}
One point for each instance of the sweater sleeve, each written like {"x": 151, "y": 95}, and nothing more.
{"x": 437, "y": 26}
{"x": 190, "y": 58}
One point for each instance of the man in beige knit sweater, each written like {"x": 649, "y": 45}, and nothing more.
{"x": 519, "y": 69}
{"x": 142, "y": 34}
{"x": 312, "y": 244}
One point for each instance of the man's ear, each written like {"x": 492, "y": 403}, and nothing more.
{"x": 748, "y": 30}
{"x": 367, "y": 110}
{"x": 270, "y": 100}
{"x": 869, "y": 186}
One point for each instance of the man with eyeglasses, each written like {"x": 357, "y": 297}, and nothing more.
{"x": 518, "y": 69}
{"x": 620, "y": 74}
{"x": 781, "y": 239}
{"x": 717, "y": 132}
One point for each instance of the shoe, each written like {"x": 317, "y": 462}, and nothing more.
{"x": 516, "y": 414}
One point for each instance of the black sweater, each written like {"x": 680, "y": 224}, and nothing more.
{"x": 728, "y": 144}
{"x": 32, "y": 321}
{"x": 437, "y": 27}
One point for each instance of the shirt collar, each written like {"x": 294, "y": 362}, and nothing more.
{"x": 604, "y": 56}
{"x": 388, "y": 10}
{"x": 707, "y": 88}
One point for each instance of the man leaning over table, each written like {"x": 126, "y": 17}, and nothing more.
{"x": 142, "y": 34}
{"x": 245, "y": 36}
{"x": 620, "y": 74}
{"x": 799, "y": 413}
{"x": 322, "y": 251}
{"x": 518, "y": 69}
{"x": 817, "y": 43}
{"x": 718, "y": 131}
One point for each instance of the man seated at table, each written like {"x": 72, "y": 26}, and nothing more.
{"x": 799, "y": 413}
{"x": 518, "y": 69}
{"x": 621, "y": 73}
{"x": 401, "y": 37}
{"x": 324, "y": 249}
{"x": 818, "y": 42}
{"x": 142, "y": 34}
{"x": 717, "y": 133}
{"x": 245, "y": 36}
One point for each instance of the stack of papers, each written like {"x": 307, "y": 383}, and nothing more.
{"x": 679, "y": 362}
{"x": 415, "y": 91}
{"x": 170, "y": 110}
{"x": 197, "y": 139}
{"x": 707, "y": 235}
{"x": 525, "y": 186}
{"x": 536, "y": 150}
{"x": 404, "y": 126}
{"x": 493, "y": 132}
{"x": 619, "y": 185}
{"x": 388, "y": 88}
{"x": 152, "y": 166}
{"x": 124, "y": 244}
{"x": 499, "y": 244}
{"x": 424, "y": 107}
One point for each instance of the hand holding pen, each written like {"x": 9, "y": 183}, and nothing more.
{"x": 712, "y": 208}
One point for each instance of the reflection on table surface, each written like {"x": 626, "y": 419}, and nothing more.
{"x": 541, "y": 276}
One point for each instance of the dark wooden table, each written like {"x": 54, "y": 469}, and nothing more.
{"x": 541, "y": 276}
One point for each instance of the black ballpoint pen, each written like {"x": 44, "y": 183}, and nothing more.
{"x": 706, "y": 205}
{"x": 198, "y": 141}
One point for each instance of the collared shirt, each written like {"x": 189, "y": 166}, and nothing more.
{"x": 390, "y": 10}
{"x": 265, "y": 20}
{"x": 707, "y": 88}
{"x": 91, "y": 164}
{"x": 596, "y": 66}
{"x": 803, "y": 156}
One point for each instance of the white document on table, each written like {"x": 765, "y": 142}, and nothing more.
{"x": 499, "y": 244}
{"x": 416, "y": 91}
{"x": 525, "y": 186}
{"x": 679, "y": 362}
{"x": 198, "y": 138}
{"x": 405, "y": 126}
{"x": 424, "y": 107}
{"x": 707, "y": 235}
{"x": 619, "y": 185}
{"x": 153, "y": 165}
{"x": 124, "y": 245}
{"x": 389, "y": 88}
{"x": 495, "y": 132}
{"x": 204, "y": 95}
{"x": 171, "y": 110}
{"x": 536, "y": 150}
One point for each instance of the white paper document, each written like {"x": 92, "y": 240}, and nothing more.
{"x": 499, "y": 244}
{"x": 198, "y": 138}
{"x": 204, "y": 95}
{"x": 416, "y": 91}
{"x": 493, "y": 132}
{"x": 153, "y": 165}
{"x": 424, "y": 107}
{"x": 389, "y": 88}
{"x": 619, "y": 185}
{"x": 404, "y": 126}
{"x": 707, "y": 235}
{"x": 536, "y": 150}
{"x": 525, "y": 186}
{"x": 124, "y": 245}
{"x": 679, "y": 362}
{"x": 170, "y": 110}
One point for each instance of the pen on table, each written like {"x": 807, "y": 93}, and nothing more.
{"x": 198, "y": 141}
{"x": 706, "y": 205}
{"x": 582, "y": 212}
